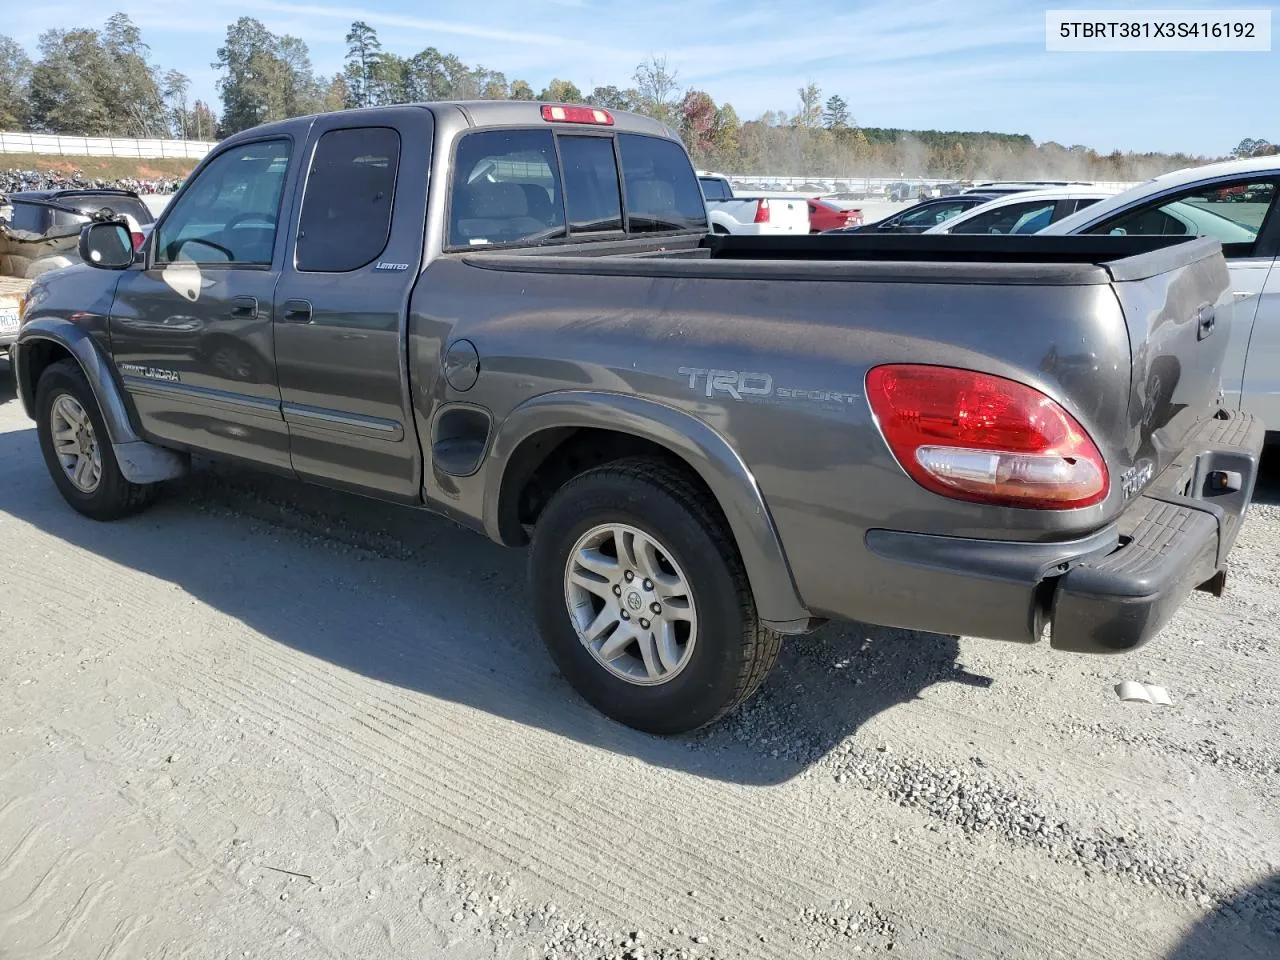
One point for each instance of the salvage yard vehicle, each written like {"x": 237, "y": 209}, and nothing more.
{"x": 751, "y": 214}
{"x": 708, "y": 441}
{"x": 1027, "y": 211}
{"x": 40, "y": 229}
{"x": 825, "y": 215}
{"x": 12, "y": 292}
{"x": 1234, "y": 202}
{"x": 922, "y": 216}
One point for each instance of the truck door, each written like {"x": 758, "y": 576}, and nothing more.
{"x": 191, "y": 329}
{"x": 341, "y": 304}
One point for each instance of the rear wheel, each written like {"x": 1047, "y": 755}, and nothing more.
{"x": 642, "y": 600}
{"x": 77, "y": 449}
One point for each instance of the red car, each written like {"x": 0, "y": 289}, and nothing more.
{"x": 825, "y": 215}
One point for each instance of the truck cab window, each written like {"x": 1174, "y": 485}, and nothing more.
{"x": 662, "y": 191}
{"x": 506, "y": 189}
{"x": 346, "y": 204}
{"x": 591, "y": 184}
{"x": 713, "y": 188}
{"x": 229, "y": 213}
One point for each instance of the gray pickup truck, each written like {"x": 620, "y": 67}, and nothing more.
{"x": 512, "y": 314}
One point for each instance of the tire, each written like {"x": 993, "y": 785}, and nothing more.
{"x": 731, "y": 652}
{"x": 112, "y": 496}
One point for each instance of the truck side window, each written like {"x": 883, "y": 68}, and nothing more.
{"x": 591, "y": 184}
{"x": 1233, "y": 213}
{"x": 506, "y": 189}
{"x": 229, "y": 213}
{"x": 662, "y": 192}
{"x": 347, "y": 202}
{"x": 713, "y": 188}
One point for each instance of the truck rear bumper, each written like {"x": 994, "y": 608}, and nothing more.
{"x": 1110, "y": 592}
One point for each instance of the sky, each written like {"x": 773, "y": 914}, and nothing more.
{"x": 927, "y": 64}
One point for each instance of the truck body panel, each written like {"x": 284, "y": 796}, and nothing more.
{"x": 467, "y": 324}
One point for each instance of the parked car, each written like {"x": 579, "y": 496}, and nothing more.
{"x": 825, "y": 215}
{"x": 754, "y": 215}
{"x": 11, "y": 293}
{"x": 923, "y": 215}
{"x": 709, "y": 441}
{"x": 40, "y": 229}
{"x": 1235, "y": 202}
{"x": 899, "y": 192}
{"x": 1017, "y": 186}
{"x": 1027, "y": 211}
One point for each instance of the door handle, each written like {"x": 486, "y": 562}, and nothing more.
{"x": 297, "y": 311}
{"x": 244, "y": 308}
{"x": 1206, "y": 321}
{"x": 1242, "y": 294}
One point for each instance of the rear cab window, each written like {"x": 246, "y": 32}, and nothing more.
{"x": 662, "y": 191}
{"x": 524, "y": 186}
{"x": 506, "y": 189}
{"x": 591, "y": 184}
{"x": 713, "y": 188}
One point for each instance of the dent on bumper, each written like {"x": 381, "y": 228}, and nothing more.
{"x": 1107, "y": 593}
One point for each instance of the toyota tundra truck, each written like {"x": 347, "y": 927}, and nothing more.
{"x": 513, "y": 314}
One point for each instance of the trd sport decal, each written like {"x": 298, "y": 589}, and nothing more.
{"x": 752, "y": 385}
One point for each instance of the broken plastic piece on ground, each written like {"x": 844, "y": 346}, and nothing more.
{"x": 1132, "y": 691}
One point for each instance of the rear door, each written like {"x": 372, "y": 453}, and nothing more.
{"x": 355, "y": 249}
{"x": 191, "y": 330}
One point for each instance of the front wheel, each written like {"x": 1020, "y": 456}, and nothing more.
{"x": 642, "y": 600}
{"x": 77, "y": 449}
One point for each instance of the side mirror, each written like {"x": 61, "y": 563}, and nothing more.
{"x": 107, "y": 246}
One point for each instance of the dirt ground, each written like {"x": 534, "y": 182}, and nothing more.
{"x": 266, "y": 721}
{"x": 99, "y": 168}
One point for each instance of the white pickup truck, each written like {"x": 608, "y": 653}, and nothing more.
{"x": 755, "y": 214}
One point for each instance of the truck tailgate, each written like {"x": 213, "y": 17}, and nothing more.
{"x": 788, "y": 213}
{"x": 1173, "y": 302}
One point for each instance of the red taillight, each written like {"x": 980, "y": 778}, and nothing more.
{"x": 594, "y": 115}
{"x": 138, "y": 240}
{"x": 973, "y": 436}
{"x": 762, "y": 210}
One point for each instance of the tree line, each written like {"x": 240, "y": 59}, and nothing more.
{"x": 104, "y": 83}
{"x": 97, "y": 83}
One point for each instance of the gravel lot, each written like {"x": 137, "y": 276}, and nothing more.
{"x": 262, "y": 720}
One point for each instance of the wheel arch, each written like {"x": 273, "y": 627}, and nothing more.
{"x": 47, "y": 340}
{"x": 627, "y": 425}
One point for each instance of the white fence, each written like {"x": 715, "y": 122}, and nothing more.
{"x": 102, "y": 146}
{"x": 870, "y": 185}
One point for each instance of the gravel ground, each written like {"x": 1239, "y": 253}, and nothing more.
{"x": 263, "y": 720}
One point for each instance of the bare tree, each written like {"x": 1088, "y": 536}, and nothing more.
{"x": 657, "y": 85}
{"x": 810, "y": 114}
{"x": 174, "y": 91}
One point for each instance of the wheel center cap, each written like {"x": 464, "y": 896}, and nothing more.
{"x": 634, "y": 600}
{"x": 83, "y": 440}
